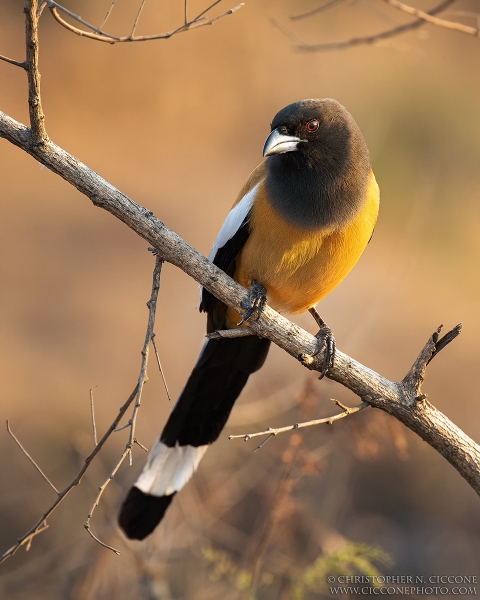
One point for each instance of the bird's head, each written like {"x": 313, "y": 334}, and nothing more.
{"x": 316, "y": 130}
{"x": 317, "y": 164}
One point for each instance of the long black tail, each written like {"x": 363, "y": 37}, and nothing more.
{"x": 221, "y": 372}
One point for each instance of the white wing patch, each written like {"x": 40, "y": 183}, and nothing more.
{"x": 233, "y": 221}
{"x": 169, "y": 468}
{"x": 232, "y": 224}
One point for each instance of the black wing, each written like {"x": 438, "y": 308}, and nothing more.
{"x": 224, "y": 259}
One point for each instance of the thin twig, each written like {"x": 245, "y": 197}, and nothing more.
{"x": 159, "y": 364}
{"x": 316, "y": 11}
{"x": 137, "y": 18}
{"x": 142, "y": 378}
{"x": 200, "y": 15}
{"x": 445, "y": 340}
{"x": 37, "y": 118}
{"x": 41, "y": 6}
{"x": 54, "y": 6}
{"x": 92, "y": 413}
{"x": 31, "y": 459}
{"x": 101, "y": 36}
{"x": 372, "y": 39}
{"x": 17, "y": 63}
{"x": 185, "y": 12}
{"x": 39, "y": 525}
{"x": 270, "y": 432}
{"x": 429, "y": 18}
{"x": 109, "y": 11}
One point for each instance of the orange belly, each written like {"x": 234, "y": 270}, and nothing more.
{"x": 300, "y": 267}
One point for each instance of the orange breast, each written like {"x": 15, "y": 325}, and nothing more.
{"x": 299, "y": 267}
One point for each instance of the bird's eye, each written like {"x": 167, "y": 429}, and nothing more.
{"x": 312, "y": 125}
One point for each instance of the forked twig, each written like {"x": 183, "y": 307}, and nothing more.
{"x": 98, "y": 34}
{"x": 271, "y": 432}
{"x": 142, "y": 378}
{"x": 41, "y": 525}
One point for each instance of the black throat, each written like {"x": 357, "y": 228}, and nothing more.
{"x": 317, "y": 188}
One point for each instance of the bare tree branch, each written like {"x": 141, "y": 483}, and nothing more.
{"x": 41, "y": 524}
{"x": 37, "y": 118}
{"x": 271, "y": 431}
{"x": 396, "y": 398}
{"x": 17, "y": 63}
{"x": 316, "y": 11}
{"x": 142, "y": 378}
{"x": 101, "y": 36}
{"x": 31, "y": 459}
{"x": 429, "y": 18}
{"x": 403, "y": 399}
{"x": 373, "y": 39}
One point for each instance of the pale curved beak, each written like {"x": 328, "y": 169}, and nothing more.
{"x": 278, "y": 143}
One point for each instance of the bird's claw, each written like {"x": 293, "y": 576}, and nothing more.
{"x": 254, "y": 303}
{"x": 326, "y": 339}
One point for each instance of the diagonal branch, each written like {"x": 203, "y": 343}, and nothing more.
{"x": 398, "y": 399}
{"x": 429, "y": 18}
{"x": 17, "y": 63}
{"x": 41, "y": 525}
{"x": 373, "y": 39}
{"x": 316, "y": 11}
{"x": 30, "y": 458}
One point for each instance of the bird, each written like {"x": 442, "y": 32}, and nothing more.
{"x": 298, "y": 226}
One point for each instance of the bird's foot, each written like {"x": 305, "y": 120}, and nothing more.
{"x": 254, "y": 303}
{"x": 325, "y": 339}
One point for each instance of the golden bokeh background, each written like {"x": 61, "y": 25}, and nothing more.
{"x": 178, "y": 125}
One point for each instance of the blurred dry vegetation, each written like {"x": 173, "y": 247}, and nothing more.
{"x": 177, "y": 125}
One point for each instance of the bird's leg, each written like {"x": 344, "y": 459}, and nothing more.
{"x": 255, "y": 302}
{"x": 325, "y": 339}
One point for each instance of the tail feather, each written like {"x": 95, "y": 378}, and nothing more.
{"x": 221, "y": 372}
{"x": 141, "y": 513}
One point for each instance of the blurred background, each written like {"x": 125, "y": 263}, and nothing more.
{"x": 178, "y": 125}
